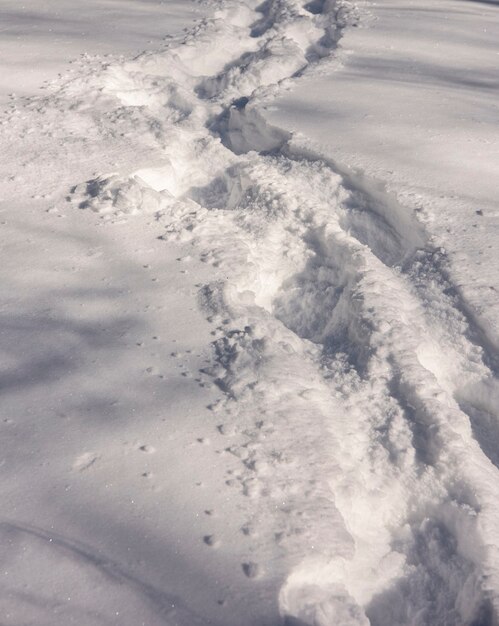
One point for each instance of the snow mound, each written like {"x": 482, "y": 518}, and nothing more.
{"x": 113, "y": 195}
{"x": 318, "y": 605}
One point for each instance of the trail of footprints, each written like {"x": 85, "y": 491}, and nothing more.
{"x": 278, "y": 367}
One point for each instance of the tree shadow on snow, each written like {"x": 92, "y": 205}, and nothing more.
{"x": 494, "y": 3}
{"x": 77, "y": 407}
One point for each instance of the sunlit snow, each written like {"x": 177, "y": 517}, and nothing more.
{"x": 249, "y": 320}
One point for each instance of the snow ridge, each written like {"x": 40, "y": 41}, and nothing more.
{"x": 355, "y": 394}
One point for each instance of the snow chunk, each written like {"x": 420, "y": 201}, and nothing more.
{"x": 114, "y": 195}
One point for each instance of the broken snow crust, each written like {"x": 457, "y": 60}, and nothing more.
{"x": 248, "y": 389}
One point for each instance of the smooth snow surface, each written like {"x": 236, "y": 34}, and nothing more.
{"x": 241, "y": 384}
{"x": 38, "y": 38}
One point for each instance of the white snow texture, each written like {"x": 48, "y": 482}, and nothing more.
{"x": 338, "y": 411}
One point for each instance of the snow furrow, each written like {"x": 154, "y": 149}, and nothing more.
{"x": 341, "y": 350}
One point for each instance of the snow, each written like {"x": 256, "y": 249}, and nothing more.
{"x": 40, "y": 38}
{"x": 414, "y": 106}
{"x": 249, "y": 370}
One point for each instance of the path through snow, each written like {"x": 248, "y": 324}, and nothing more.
{"x": 339, "y": 344}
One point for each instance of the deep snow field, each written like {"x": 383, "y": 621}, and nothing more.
{"x": 250, "y": 313}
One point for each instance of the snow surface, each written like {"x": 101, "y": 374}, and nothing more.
{"x": 39, "y": 38}
{"x": 414, "y": 107}
{"x": 246, "y": 376}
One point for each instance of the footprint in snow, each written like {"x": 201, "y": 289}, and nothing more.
{"x": 212, "y": 541}
{"x": 248, "y": 530}
{"x": 228, "y": 430}
{"x": 148, "y": 449}
{"x": 252, "y": 570}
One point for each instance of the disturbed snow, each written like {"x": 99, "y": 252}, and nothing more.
{"x": 342, "y": 368}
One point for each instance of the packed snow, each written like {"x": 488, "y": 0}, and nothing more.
{"x": 249, "y": 322}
